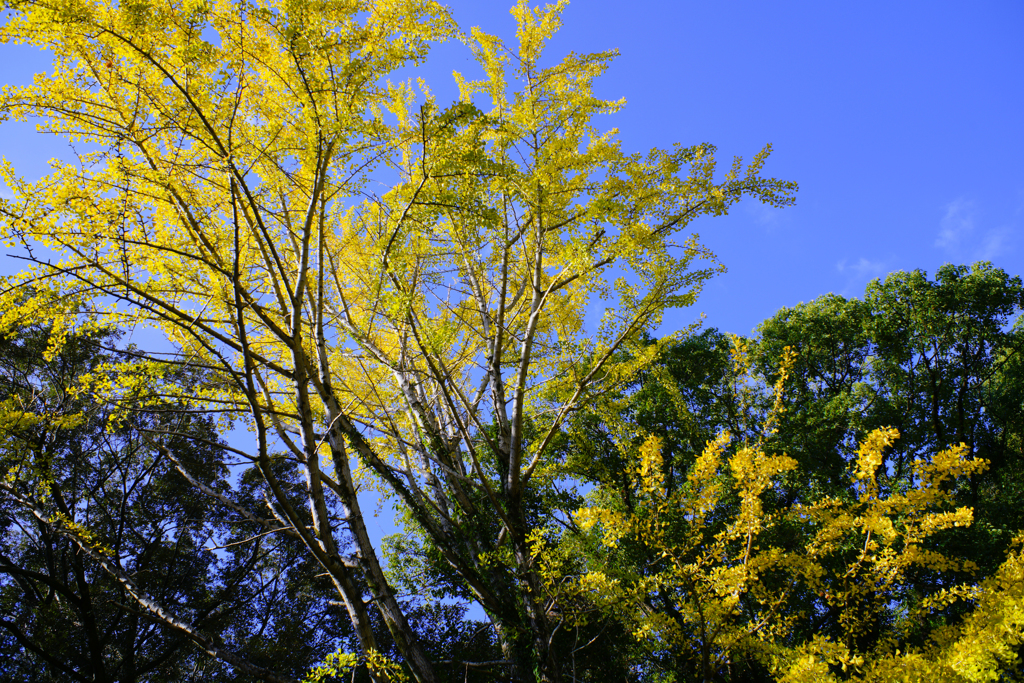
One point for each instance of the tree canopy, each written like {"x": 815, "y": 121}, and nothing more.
{"x": 230, "y": 200}
{"x": 389, "y": 293}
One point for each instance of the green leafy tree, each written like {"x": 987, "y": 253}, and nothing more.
{"x": 938, "y": 358}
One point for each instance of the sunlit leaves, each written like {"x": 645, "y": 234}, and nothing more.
{"x": 389, "y": 288}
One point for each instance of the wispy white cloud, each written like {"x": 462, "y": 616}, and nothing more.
{"x": 960, "y": 237}
{"x": 858, "y": 273}
{"x": 763, "y": 215}
{"x": 863, "y": 269}
{"x": 957, "y": 225}
{"x": 995, "y": 243}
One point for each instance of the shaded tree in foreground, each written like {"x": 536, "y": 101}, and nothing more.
{"x": 78, "y": 473}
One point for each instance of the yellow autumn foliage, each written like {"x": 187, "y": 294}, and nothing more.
{"x": 385, "y": 288}
{"x": 726, "y": 580}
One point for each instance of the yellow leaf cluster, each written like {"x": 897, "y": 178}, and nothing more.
{"x": 730, "y": 589}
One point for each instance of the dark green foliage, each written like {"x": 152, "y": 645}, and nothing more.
{"x": 937, "y": 359}
{"x": 62, "y": 617}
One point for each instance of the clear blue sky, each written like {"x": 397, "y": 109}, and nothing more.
{"x": 901, "y": 121}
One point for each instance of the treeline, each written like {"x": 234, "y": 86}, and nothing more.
{"x": 735, "y": 511}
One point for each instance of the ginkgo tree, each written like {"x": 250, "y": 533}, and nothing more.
{"x": 385, "y": 291}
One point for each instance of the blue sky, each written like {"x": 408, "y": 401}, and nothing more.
{"x": 902, "y": 123}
